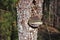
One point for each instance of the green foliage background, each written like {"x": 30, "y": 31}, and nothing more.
{"x": 8, "y": 27}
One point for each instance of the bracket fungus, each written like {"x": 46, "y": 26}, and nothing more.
{"x": 34, "y": 22}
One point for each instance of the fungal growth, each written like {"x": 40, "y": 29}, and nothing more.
{"x": 35, "y": 19}
{"x": 29, "y": 18}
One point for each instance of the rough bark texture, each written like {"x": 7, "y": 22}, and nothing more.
{"x": 26, "y": 9}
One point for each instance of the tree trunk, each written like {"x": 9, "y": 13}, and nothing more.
{"x": 25, "y": 10}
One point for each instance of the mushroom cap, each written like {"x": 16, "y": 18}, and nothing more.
{"x": 34, "y": 21}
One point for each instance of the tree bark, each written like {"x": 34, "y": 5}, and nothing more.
{"x": 25, "y": 9}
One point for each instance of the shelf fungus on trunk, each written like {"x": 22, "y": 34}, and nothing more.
{"x": 34, "y": 22}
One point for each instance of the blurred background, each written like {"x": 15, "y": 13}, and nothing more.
{"x": 8, "y": 27}
{"x": 50, "y": 30}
